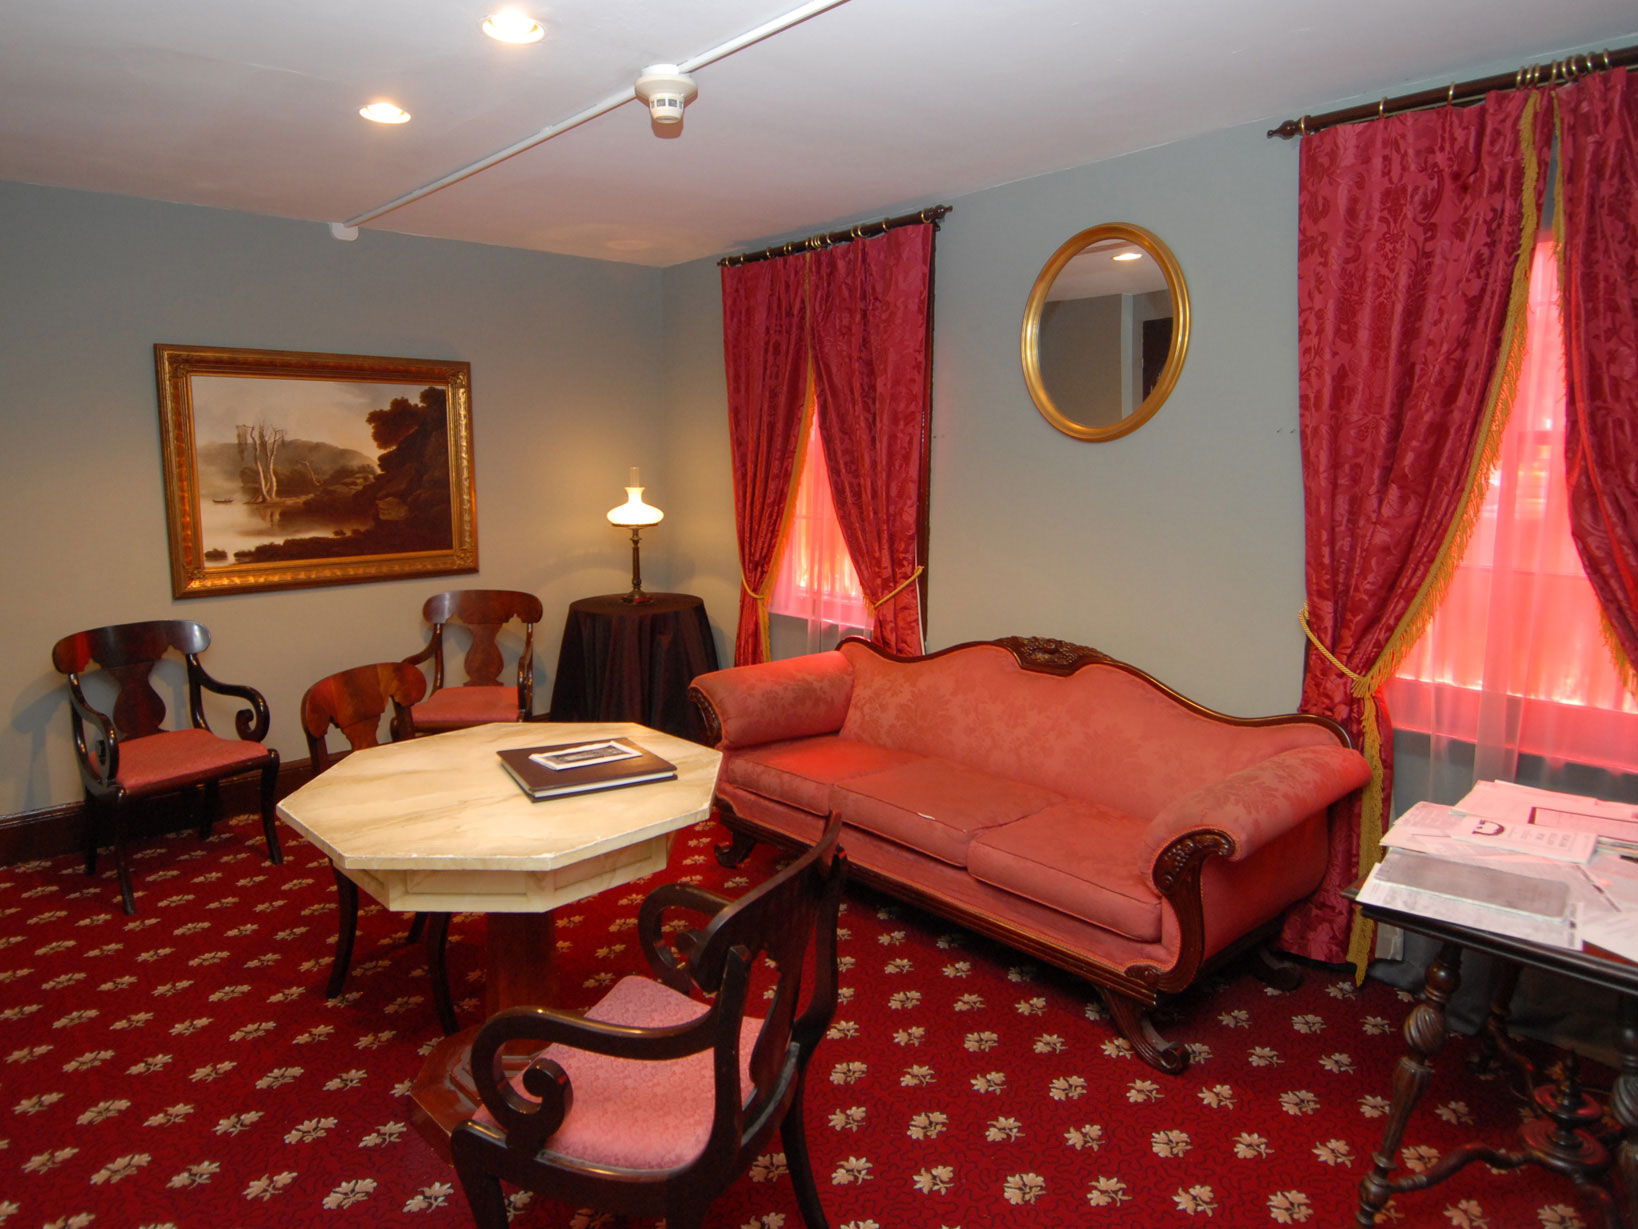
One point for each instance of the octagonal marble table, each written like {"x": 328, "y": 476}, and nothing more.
{"x": 437, "y": 825}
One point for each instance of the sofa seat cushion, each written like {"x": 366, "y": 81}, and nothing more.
{"x": 801, "y": 771}
{"x": 937, "y": 807}
{"x": 1078, "y": 858}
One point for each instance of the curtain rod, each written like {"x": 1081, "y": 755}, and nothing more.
{"x": 865, "y": 230}
{"x": 1559, "y": 72}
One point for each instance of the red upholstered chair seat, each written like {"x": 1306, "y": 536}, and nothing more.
{"x": 633, "y": 1114}
{"x": 174, "y": 758}
{"x": 459, "y": 707}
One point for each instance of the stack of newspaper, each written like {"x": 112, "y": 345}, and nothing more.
{"x": 1534, "y": 864}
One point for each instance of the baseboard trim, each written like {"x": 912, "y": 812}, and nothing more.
{"x": 57, "y": 830}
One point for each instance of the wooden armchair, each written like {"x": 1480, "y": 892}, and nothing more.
{"x": 654, "y": 1102}
{"x": 129, "y": 755}
{"x": 483, "y": 697}
{"x": 354, "y": 701}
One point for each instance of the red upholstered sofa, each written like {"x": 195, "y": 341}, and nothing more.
{"x": 1041, "y": 793}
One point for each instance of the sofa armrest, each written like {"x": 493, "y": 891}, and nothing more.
{"x": 1258, "y": 803}
{"x": 797, "y": 697}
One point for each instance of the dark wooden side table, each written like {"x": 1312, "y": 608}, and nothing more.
{"x": 624, "y": 661}
{"x": 1562, "y": 1136}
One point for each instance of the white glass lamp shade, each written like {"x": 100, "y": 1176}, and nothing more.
{"x": 634, "y": 513}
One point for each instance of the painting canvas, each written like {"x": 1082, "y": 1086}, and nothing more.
{"x": 287, "y": 469}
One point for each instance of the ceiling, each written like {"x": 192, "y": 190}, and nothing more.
{"x": 864, "y": 109}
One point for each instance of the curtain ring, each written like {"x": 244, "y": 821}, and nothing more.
{"x": 1450, "y": 95}
{"x": 1302, "y": 126}
{"x": 1381, "y": 108}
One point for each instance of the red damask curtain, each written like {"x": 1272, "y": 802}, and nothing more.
{"x": 1413, "y": 255}
{"x": 765, "y": 348}
{"x": 872, "y": 346}
{"x": 1597, "y": 219}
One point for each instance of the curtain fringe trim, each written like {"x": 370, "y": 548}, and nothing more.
{"x": 1499, "y": 406}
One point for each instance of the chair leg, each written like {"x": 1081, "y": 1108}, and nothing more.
{"x": 122, "y": 862}
{"x": 347, "y": 899}
{"x": 209, "y": 802}
{"x": 482, "y": 1189}
{"x": 94, "y": 814}
{"x": 437, "y": 940}
{"x": 270, "y": 786}
{"x": 794, "y": 1135}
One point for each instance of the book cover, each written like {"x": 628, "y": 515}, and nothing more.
{"x": 562, "y": 769}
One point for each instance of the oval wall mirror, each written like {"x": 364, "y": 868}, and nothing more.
{"x": 1105, "y": 331}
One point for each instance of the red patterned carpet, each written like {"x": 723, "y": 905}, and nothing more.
{"x": 183, "y": 1068}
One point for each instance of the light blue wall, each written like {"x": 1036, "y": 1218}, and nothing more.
{"x": 1179, "y": 547}
{"x": 565, "y": 385}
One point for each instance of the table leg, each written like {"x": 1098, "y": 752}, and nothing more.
{"x": 521, "y": 959}
{"x": 1424, "y": 1036}
{"x": 1624, "y": 1105}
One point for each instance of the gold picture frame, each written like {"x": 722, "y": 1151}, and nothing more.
{"x": 286, "y": 469}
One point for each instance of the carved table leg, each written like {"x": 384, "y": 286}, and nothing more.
{"x": 1425, "y": 1036}
{"x": 1624, "y": 1105}
{"x": 1495, "y": 1046}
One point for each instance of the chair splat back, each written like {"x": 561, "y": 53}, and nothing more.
{"x": 354, "y": 701}
{"x": 127, "y": 653}
{"x": 776, "y": 923}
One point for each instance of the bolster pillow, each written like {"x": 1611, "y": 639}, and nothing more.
{"x": 797, "y": 697}
{"x": 1260, "y": 802}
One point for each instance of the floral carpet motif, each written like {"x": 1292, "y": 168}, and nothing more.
{"x": 183, "y": 1068}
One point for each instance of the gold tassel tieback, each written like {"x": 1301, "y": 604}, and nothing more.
{"x": 897, "y": 589}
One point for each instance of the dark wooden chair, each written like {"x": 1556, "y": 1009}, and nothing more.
{"x": 129, "y": 755}
{"x": 482, "y": 698}
{"x": 654, "y": 1102}
{"x": 354, "y": 701}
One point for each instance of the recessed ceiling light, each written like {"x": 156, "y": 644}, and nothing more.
{"x": 1128, "y": 255}
{"x": 513, "y": 26}
{"x": 384, "y": 113}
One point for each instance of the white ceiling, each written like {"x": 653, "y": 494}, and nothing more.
{"x": 866, "y": 109}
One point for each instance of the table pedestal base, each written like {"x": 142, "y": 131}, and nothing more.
{"x": 1559, "y": 1140}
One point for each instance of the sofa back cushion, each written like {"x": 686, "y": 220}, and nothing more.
{"x": 1102, "y": 734}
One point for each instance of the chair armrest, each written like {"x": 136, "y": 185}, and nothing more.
{"x": 1253, "y": 806}
{"x": 797, "y": 697}
{"x": 251, "y": 722}
{"x": 98, "y": 749}
{"x": 668, "y": 968}
{"x": 530, "y": 1120}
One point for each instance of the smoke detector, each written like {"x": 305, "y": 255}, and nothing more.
{"x": 667, "y": 91}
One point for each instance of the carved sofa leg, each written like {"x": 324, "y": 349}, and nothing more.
{"x": 1273, "y": 973}
{"x": 737, "y": 850}
{"x": 1131, "y": 1016}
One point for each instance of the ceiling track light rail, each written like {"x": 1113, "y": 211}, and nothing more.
{"x": 673, "y": 76}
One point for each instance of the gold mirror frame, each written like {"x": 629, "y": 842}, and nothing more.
{"x": 1030, "y": 341}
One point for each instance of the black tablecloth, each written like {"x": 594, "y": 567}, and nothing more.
{"x": 622, "y": 661}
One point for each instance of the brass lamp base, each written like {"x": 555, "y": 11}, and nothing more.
{"x": 636, "y": 597}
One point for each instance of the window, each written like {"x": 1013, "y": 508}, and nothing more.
{"x": 816, "y": 580}
{"x": 1518, "y": 643}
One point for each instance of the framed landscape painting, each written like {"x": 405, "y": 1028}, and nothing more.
{"x": 286, "y": 470}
